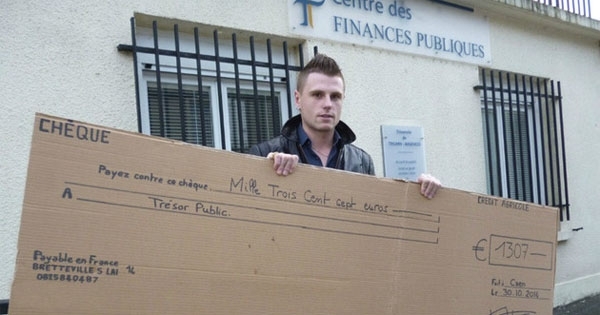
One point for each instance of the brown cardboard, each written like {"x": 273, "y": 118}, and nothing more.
{"x": 116, "y": 222}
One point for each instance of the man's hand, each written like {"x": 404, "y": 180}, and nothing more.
{"x": 283, "y": 163}
{"x": 429, "y": 185}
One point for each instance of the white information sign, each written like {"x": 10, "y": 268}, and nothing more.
{"x": 411, "y": 26}
{"x": 403, "y": 152}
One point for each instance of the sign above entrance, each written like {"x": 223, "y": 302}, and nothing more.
{"x": 417, "y": 27}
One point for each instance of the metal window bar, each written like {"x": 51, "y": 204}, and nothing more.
{"x": 218, "y": 60}
{"x": 156, "y": 51}
{"x": 564, "y": 157}
{"x": 219, "y": 87}
{"x": 203, "y": 127}
{"x": 525, "y": 143}
{"x": 236, "y": 70}
{"x": 534, "y": 132}
{"x": 580, "y": 7}
{"x": 180, "y": 83}
{"x": 542, "y": 153}
{"x": 271, "y": 82}
{"x": 528, "y": 132}
{"x": 255, "y": 85}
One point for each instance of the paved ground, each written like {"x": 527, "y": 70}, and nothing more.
{"x": 586, "y": 306}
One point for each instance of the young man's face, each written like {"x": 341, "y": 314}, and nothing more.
{"x": 320, "y": 102}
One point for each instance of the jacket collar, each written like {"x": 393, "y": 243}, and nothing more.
{"x": 289, "y": 130}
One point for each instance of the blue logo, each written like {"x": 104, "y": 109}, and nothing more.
{"x": 307, "y": 10}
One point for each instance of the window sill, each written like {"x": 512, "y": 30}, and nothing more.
{"x": 564, "y": 235}
{"x": 566, "y": 231}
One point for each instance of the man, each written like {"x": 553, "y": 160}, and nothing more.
{"x": 317, "y": 136}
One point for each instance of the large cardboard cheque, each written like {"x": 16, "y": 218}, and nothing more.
{"x": 115, "y": 222}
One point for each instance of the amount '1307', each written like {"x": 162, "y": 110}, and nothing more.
{"x": 513, "y": 250}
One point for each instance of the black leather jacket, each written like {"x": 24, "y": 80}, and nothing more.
{"x": 351, "y": 157}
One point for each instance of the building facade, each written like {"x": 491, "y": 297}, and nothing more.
{"x": 505, "y": 92}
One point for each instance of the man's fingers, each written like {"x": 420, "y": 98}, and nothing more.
{"x": 429, "y": 190}
{"x": 283, "y": 164}
{"x": 429, "y": 185}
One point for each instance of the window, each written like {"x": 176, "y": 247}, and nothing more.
{"x": 212, "y": 89}
{"x": 246, "y": 111}
{"x": 191, "y": 122}
{"x": 524, "y": 138}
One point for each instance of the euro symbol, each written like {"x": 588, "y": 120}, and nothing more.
{"x": 480, "y": 248}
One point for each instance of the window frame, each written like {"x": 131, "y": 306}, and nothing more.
{"x": 224, "y": 64}
{"x": 540, "y": 100}
{"x": 213, "y": 86}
